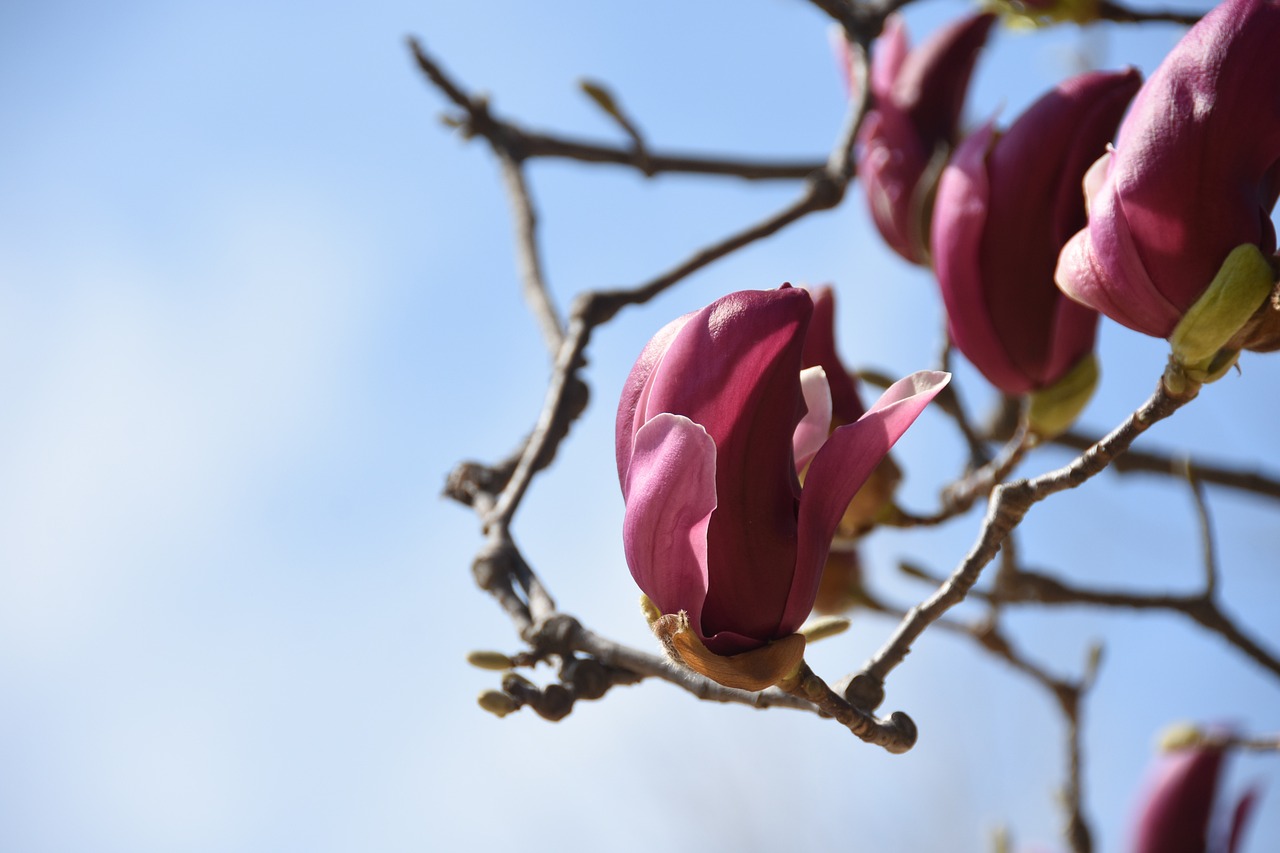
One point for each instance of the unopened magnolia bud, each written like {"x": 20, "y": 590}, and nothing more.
{"x": 1241, "y": 286}
{"x": 490, "y": 660}
{"x": 1180, "y": 736}
{"x": 497, "y": 703}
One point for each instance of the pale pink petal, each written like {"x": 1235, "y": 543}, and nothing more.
{"x": 813, "y": 428}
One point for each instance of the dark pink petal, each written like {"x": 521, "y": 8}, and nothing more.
{"x": 890, "y": 166}
{"x": 820, "y": 351}
{"x": 1006, "y": 205}
{"x": 1036, "y": 171}
{"x": 932, "y": 81}
{"x": 671, "y": 493}
{"x": 1240, "y": 818}
{"x": 912, "y": 126}
{"x": 1178, "y": 802}
{"x": 960, "y": 222}
{"x": 838, "y": 471}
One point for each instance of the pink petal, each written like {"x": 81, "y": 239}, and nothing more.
{"x": 838, "y": 471}
{"x": 671, "y": 493}
{"x": 635, "y": 394}
{"x": 960, "y": 221}
{"x": 820, "y": 351}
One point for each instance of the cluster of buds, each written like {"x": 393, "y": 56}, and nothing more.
{"x": 743, "y": 449}
{"x": 1179, "y": 242}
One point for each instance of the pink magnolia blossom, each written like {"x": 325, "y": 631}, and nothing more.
{"x": 716, "y": 420}
{"x": 1178, "y": 803}
{"x": 1006, "y": 205}
{"x": 1195, "y": 174}
{"x": 913, "y": 125}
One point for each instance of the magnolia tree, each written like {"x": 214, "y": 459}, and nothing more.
{"x": 754, "y": 464}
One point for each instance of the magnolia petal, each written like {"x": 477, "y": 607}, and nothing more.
{"x": 635, "y": 393}
{"x": 820, "y": 351}
{"x": 890, "y": 53}
{"x": 1177, "y": 804}
{"x": 1240, "y": 818}
{"x": 814, "y": 427}
{"x": 671, "y": 493}
{"x": 960, "y": 221}
{"x": 836, "y": 473}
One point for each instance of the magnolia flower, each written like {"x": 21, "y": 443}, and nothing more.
{"x": 716, "y": 421}
{"x": 913, "y": 125}
{"x": 1006, "y": 205}
{"x": 1177, "y": 804}
{"x": 1190, "y": 185}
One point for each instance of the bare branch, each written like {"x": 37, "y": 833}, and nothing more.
{"x": 1159, "y": 462}
{"x": 1069, "y": 696}
{"x": 1007, "y": 506}
{"x": 524, "y": 144}
{"x": 529, "y": 258}
{"x": 1109, "y": 11}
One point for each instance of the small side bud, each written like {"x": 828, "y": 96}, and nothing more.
{"x": 497, "y": 703}
{"x": 823, "y": 627}
{"x": 1056, "y": 408}
{"x": 496, "y": 661}
{"x": 650, "y": 610}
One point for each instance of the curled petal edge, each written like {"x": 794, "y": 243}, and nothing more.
{"x": 837, "y": 472}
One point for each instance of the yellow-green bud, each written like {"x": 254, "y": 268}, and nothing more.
{"x": 497, "y": 703}
{"x": 1180, "y": 736}
{"x": 823, "y": 627}
{"x": 496, "y": 661}
{"x": 1055, "y": 408}
{"x": 1241, "y": 286}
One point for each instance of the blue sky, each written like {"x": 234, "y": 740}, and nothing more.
{"x": 256, "y": 301}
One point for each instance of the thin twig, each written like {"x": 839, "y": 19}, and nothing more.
{"x": 1039, "y": 588}
{"x": 1157, "y": 462}
{"x": 1109, "y": 11}
{"x": 528, "y": 257}
{"x": 1069, "y": 696}
{"x": 1206, "y": 532}
{"x": 652, "y": 666}
{"x": 526, "y": 144}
